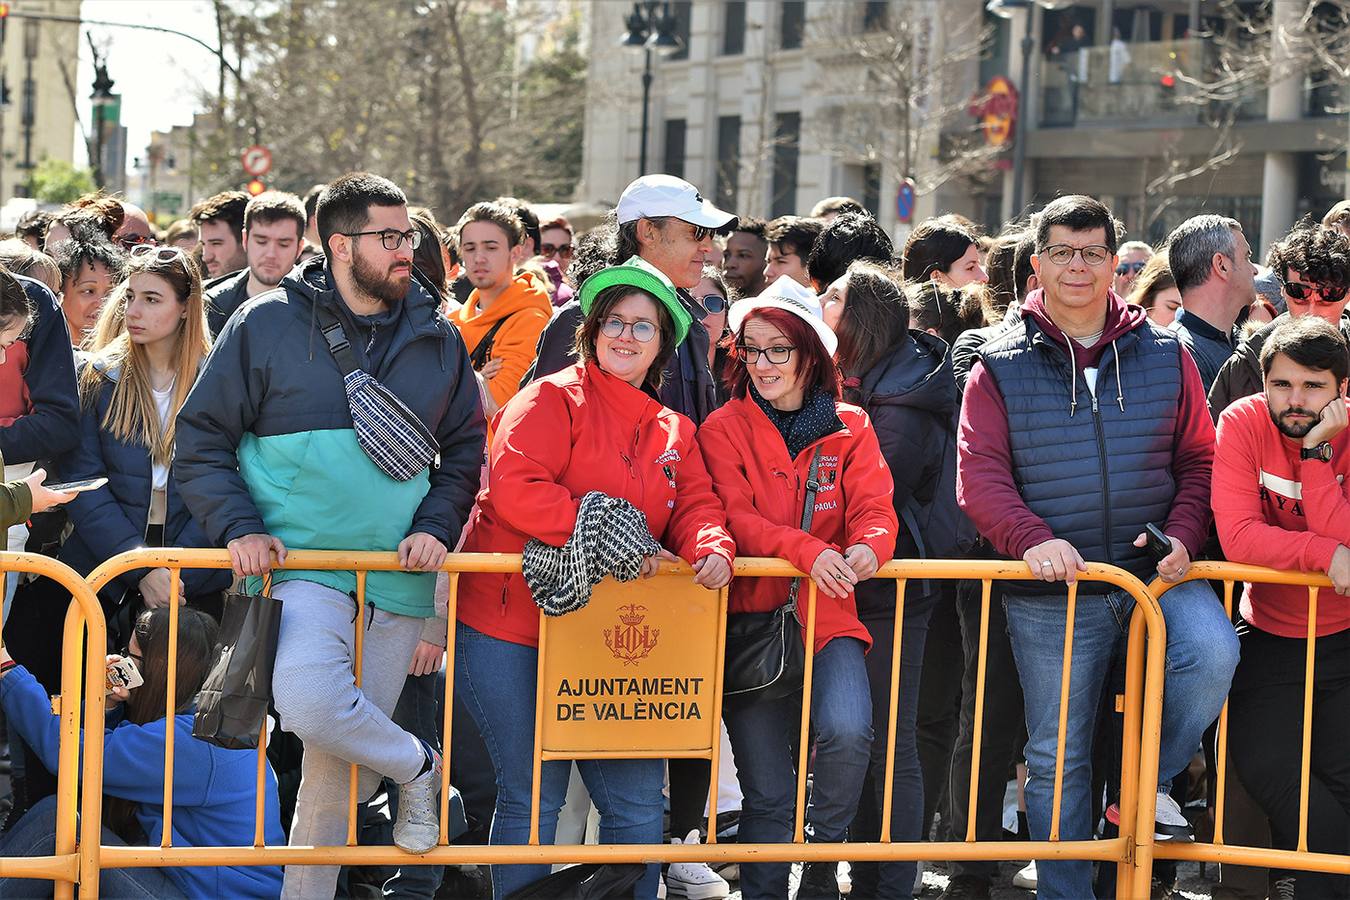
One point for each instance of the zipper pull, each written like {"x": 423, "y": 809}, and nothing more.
{"x": 436, "y": 460}
{"x": 1094, "y": 404}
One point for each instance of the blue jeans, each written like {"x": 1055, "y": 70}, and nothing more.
{"x": 496, "y": 681}
{"x": 1202, "y": 652}
{"x": 35, "y": 835}
{"x": 762, "y": 737}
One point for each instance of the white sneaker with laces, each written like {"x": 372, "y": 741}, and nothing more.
{"x": 418, "y": 827}
{"x": 695, "y": 881}
{"x": 843, "y": 876}
{"x": 1026, "y": 878}
{"x": 1170, "y": 823}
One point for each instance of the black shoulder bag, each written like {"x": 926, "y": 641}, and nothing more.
{"x": 766, "y": 655}
{"x": 479, "y": 357}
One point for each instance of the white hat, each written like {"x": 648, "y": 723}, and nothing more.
{"x": 789, "y": 295}
{"x": 652, "y": 196}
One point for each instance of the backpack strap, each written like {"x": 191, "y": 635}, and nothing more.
{"x": 479, "y": 357}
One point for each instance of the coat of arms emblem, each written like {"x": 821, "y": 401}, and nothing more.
{"x": 630, "y": 640}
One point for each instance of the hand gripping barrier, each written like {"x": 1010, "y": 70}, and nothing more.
{"x": 1219, "y": 851}
{"x": 82, "y": 686}
{"x": 620, "y": 639}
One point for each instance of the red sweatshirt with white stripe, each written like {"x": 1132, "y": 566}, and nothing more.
{"x": 1274, "y": 509}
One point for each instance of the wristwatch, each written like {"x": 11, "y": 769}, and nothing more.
{"x": 1321, "y": 453}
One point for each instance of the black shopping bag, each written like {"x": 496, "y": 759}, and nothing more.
{"x": 234, "y": 698}
{"x": 590, "y": 881}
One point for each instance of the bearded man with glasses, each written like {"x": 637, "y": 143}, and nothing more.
{"x": 1312, "y": 266}
{"x": 1081, "y": 426}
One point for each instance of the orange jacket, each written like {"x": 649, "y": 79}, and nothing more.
{"x": 526, "y": 307}
{"x": 576, "y": 431}
{"x": 764, "y": 489}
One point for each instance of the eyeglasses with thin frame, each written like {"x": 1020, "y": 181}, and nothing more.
{"x": 1062, "y": 254}
{"x": 1306, "y": 293}
{"x": 776, "y": 355}
{"x": 391, "y": 239}
{"x": 162, "y": 254}
{"x": 642, "y": 331}
{"x": 1127, "y": 267}
{"x": 560, "y": 249}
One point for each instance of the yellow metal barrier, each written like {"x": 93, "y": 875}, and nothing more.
{"x": 1233, "y": 575}
{"x": 1132, "y": 851}
{"x": 82, "y": 690}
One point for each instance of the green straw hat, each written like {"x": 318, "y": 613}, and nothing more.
{"x": 640, "y": 274}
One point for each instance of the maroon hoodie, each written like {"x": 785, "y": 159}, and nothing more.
{"x": 985, "y": 486}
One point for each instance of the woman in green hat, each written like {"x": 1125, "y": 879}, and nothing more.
{"x": 596, "y": 426}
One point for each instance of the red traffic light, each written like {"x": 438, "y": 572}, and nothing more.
{"x": 1168, "y": 81}
{"x": 4, "y": 10}
{"x": 256, "y": 187}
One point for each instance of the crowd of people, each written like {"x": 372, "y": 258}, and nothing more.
{"x": 346, "y": 372}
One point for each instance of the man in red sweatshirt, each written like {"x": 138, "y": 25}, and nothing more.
{"x": 1280, "y": 501}
{"x": 1081, "y": 425}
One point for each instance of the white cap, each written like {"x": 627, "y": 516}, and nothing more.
{"x": 789, "y": 295}
{"x": 652, "y": 196}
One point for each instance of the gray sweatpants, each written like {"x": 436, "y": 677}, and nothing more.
{"x": 314, "y": 688}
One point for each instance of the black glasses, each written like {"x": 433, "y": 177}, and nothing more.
{"x": 560, "y": 249}
{"x": 132, "y": 242}
{"x": 163, "y": 254}
{"x": 127, "y": 654}
{"x": 392, "y": 239}
{"x": 642, "y": 330}
{"x": 1306, "y": 293}
{"x": 1093, "y": 254}
{"x": 1127, "y": 267}
{"x": 776, "y": 355}
{"x": 713, "y": 303}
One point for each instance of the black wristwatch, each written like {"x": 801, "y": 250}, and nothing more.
{"x": 1321, "y": 453}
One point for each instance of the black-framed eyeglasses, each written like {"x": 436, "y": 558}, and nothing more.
{"x": 163, "y": 254}
{"x": 1093, "y": 254}
{"x": 776, "y": 355}
{"x": 713, "y": 303}
{"x": 643, "y": 331}
{"x": 1126, "y": 268}
{"x": 1306, "y": 293}
{"x": 560, "y": 249}
{"x": 127, "y": 654}
{"x": 391, "y": 239}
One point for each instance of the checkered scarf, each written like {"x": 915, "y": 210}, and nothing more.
{"x": 611, "y": 538}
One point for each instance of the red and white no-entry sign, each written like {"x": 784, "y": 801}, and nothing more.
{"x": 257, "y": 160}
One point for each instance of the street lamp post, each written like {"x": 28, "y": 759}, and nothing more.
{"x": 100, "y": 100}
{"x": 651, "y": 26}
{"x": 1006, "y": 9}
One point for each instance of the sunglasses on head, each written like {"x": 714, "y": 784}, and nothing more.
{"x": 1126, "y": 267}
{"x": 163, "y": 254}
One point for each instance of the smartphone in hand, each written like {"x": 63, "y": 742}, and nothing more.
{"x": 1159, "y": 544}
{"x": 123, "y": 674}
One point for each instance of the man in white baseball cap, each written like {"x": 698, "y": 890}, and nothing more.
{"x": 665, "y": 221}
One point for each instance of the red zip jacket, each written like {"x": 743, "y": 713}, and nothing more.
{"x": 1276, "y": 510}
{"x": 764, "y": 490}
{"x": 573, "y": 432}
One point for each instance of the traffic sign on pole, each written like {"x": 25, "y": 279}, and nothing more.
{"x": 257, "y": 160}
{"x": 904, "y": 201}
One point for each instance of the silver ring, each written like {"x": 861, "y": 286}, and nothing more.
{"x": 838, "y": 577}
{"x": 1047, "y": 564}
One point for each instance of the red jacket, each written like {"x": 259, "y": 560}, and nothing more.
{"x": 1276, "y": 510}
{"x": 764, "y": 490}
{"x": 576, "y": 431}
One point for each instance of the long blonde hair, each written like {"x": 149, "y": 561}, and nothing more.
{"x": 132, "y": 414}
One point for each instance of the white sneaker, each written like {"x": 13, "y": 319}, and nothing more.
{"x": 695, "y": 880}
{"x": 417, "y": 828}
{"x": 1026, "y": 878}
{"x": 843, "y": 876}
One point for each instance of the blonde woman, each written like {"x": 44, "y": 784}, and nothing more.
{"x": 143, "y": 359}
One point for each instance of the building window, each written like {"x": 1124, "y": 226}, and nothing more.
{"x": 874, "y": 15}
{"x": 683, "y": 11}
{"x": 793, "y": 24}
{"x": 786, "y": 151}
{"x": 733, "y": 27}
{"x": 728, "y": 160}
{"x": 672, "y": 162}
{"x": 871, "y": 198}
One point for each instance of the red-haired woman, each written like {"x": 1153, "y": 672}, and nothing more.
{"x": 785, "y": 418}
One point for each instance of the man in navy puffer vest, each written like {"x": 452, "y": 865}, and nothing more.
{"x": 1080, "y": 425}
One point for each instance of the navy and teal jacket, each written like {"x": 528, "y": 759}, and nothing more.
{"x": 265, "y": 442}
{"x": 222, "y": 297}
{"x": 51, "y": 424}
{"x": 214, "y": 789}
{"x": 114, "y": 519}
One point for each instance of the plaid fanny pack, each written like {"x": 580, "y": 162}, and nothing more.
{"x": 390, "y": 434}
